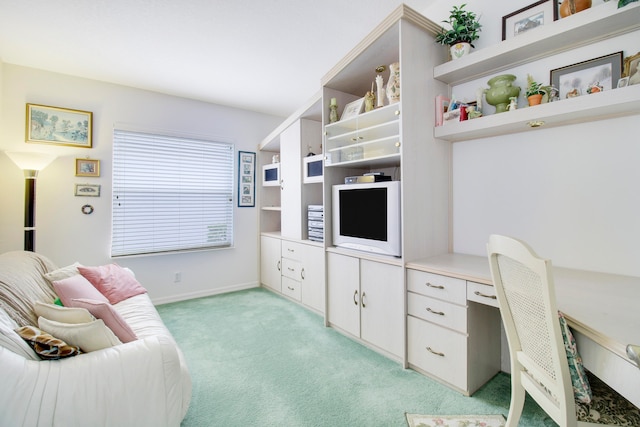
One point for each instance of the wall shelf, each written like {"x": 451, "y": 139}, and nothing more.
{"x": 589, "y": 26}
{"x": 586, "y": 108}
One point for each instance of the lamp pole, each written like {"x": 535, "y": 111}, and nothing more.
{"x": 30, "y": 176}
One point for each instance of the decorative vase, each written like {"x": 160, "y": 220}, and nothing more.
{"x": 393, "y": 85}
{"x": 501, "y": 88}
{"x": 459, "y": 50}
{"x": 333, "y": 111}
{"x": 570, "y": 7}
{"x": 535, "y": 99}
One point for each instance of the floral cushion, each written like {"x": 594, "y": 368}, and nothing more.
{"x": 581, "y": 387}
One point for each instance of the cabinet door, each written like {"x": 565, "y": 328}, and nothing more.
{"x": 291, "y": 182}
{"x": 270, "y": 263}
{"x": 382, "y": 309}
{"x": 312, "y": 275}
{"x": 344, "y": 293}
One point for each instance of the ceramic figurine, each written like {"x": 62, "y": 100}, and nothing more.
{"x": 369, "y": 101}
{"x": 379, "y": 91}
{"x": 333, "y": 111}
{"x": 393, "y": 85}
{"x": 513, "y": 103}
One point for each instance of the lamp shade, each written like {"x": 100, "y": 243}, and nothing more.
{"x": 30, "y": 160}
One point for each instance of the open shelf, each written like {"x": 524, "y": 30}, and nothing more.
{"x": 586, "y": 27}
{"x": 587, "y": 108}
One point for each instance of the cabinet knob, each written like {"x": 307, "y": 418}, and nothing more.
{"x": 397, "y": 112}
{"x": 397, "y": 144}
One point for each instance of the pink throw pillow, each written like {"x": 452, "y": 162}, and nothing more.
{"x": 113, "y": 281}
{"x": 76, "y": 287}
{"x": 110, "y": 317}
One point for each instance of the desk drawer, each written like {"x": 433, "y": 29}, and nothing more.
{"x": 438, "y": 351}
{"x": 292, "y": 250}
{"x": 437, "y": 311}
{"x": 291, "y": 268}
{"x": 291, "y": 288}
{"x": 437, "y": 286}
{"x": 484, "y": 294}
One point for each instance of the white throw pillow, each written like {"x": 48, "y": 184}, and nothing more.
{"x": 63, "y": 273}
{"x": 89, "y": 337}
{"x": 62, "y": 314}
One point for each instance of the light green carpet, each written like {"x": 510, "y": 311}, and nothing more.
{"x": 257, "y": 359}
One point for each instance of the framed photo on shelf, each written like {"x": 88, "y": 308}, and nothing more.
{"x": 246, "y": 179}
{"x": 87, "y": 190}
{"x": 60, "y": 126}
{"x": 632, "y": 69}
{"x": 87, "y": 167}
{"x": 352, "y": 109}
{"x": 442, "y": 106}
{"x": 574, "y": 80}
{"x": 533, "y": 16}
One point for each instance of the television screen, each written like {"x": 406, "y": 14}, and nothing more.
{"x": 363, "y": 213}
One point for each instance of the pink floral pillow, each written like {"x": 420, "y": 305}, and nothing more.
{"x": 76, "y": 287}
{"x": 113, "y": 281}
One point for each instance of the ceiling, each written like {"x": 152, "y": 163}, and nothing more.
{"x": 260, "y": 55}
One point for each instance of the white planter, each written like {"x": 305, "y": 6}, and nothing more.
{"x": 459, "y": 50}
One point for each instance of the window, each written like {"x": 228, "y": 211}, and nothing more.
{"x": 170, "y": 193}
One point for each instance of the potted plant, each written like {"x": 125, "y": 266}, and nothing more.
{"x": 464, "y": 30}
{"x": 535, "y": 91}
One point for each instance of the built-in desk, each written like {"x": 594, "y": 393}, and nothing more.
{"x": 602, "y": 309}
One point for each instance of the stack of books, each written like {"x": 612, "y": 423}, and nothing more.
{"x": 316, "y": 222}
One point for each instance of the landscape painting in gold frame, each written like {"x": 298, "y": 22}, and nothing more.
{"x": 59, "y": 126}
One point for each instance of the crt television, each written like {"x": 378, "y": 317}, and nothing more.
{"x": 366, "y": 217}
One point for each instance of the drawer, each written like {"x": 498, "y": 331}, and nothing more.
{"x": 437, "y": 311}
{"x": 437, "y": 286}
{"x": 291, "y": 288}
{"x": 437, "y": 351}
{"x": 484, "y": 294}
{"x": 291, "y": 268}
{"x": 292, "y": 250}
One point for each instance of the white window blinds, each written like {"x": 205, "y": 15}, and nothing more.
{"x": 170, "y": 193}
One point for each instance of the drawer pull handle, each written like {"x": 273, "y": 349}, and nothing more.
{"x": 362, "y": 300}
{"x": 290, "y": 250}
{"x": 291, "y": 269}
{"x": 439, "y": 313}
{"x": 355, "y": 297}
{"x": 437, "y": 353}
{"x": 429, "y": 285}
{"x": 279, "y": 266}
{"x": 290, "y": 288}
{"x": 480, "y": 294}
{"x": 302, "y": 274}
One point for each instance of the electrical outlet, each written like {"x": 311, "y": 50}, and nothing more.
{"x": 177, "y": 277}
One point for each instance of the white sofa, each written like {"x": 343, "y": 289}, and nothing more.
{"x": 140, "y": 383}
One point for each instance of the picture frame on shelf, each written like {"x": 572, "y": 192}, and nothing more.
{"x": 623, "y": 82}
{"x": 533, "y": 16}
{"x": 632, "y": 69}
{"x": 352, "y": 109}
{"x": 59, "y": 126}
{"x": 87, "y": 190}
{"x": 87, "y": 167}
{"x": 246, "y": 179}
{"x": 442, "y": 106}
{"x": 574, "y": 80}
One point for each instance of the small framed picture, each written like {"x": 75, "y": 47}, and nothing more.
{"x": 246, "y": 179}
{"x": 575, "y": 80}
{"x": 533, "y": 16}
{"x": 623, "y": 82}
{"x": 442, "y": 106}
{"x": 632, "y": 69}
{"x": 60, "y": 126}
{"x": 352, "y": 109}
{"x": 87, "y": 167}
{"x": 87, "y": 190}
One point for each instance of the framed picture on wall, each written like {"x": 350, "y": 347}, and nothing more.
{"x": 533, "y": 16}
{"x": 246, "y": 179}
{"x": 87, "y": 167}
{"x": 87, "y": 190}
{"x": 59, "y": 126}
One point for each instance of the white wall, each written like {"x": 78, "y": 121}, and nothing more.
{"x": 571, "y": 192}
{"x": 64, "y": 234}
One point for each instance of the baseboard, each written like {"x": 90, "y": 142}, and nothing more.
{"x": 205, "y": 293}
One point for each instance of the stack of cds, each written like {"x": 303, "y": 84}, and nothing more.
{"x": 316, "y": 222}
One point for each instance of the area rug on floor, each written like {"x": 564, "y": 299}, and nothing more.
{"x": 416, "y": 420}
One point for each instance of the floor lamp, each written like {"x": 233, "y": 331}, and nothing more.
{"x": 31, "y": 164}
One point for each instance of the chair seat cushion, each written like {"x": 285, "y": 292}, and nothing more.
{"x": 607, "y": 406}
